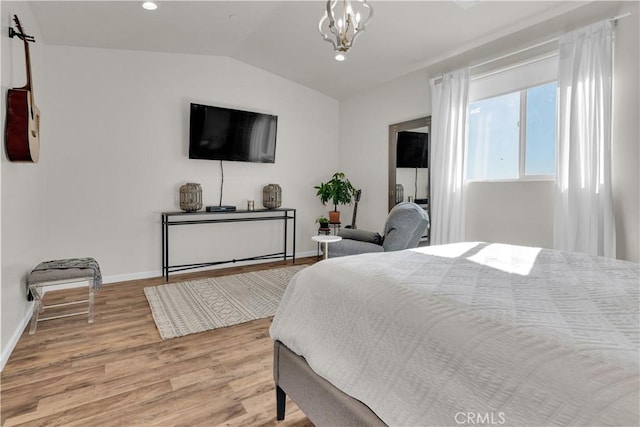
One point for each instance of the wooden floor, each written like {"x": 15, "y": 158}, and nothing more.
{"x": 118, "y": 371}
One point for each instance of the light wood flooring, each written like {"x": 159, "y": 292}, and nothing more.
{"x": 119, "y": 372}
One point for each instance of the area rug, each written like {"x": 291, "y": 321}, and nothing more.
{"x": 199, "y": 305}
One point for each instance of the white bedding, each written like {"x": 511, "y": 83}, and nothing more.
{"x": 505, "y": 335}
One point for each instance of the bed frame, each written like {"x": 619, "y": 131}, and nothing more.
{"x": 320, "y": 400}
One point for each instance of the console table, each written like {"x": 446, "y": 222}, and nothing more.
{"x": 171, "y": 219}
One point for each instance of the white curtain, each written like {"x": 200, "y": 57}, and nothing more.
{"x": 448, "y": 121}
{"x": 584, "y": 218}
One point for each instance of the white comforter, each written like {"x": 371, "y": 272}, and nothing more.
{"x": 501, "y": 335}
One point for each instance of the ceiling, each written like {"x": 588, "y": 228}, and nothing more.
{"x": 282, "y": 36}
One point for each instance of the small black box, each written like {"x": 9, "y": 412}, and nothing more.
{"x": 221, "y": 208}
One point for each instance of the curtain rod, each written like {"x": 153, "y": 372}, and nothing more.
{"x": 555, "y": 39}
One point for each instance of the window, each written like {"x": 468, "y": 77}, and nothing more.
{"x": 513, "y": 136}
{"x": 540, "y": 139}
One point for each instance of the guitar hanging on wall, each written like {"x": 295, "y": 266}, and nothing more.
{"x": 355, "y": 210}
{"x": 22, "y": 132}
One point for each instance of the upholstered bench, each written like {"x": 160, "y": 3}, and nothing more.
{"x": 58, "y": 272}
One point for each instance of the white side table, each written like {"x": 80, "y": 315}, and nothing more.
{"x": 326, "y": 240}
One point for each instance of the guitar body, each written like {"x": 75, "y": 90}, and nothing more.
{"x": 22, "y": 133}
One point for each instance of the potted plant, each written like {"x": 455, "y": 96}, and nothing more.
{"x": 323, "y": 221}
{"x": 338, "y": 190}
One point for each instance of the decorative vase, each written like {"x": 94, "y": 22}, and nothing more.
{"x": 191, "y": 197}
{"x": 271, "y": 196}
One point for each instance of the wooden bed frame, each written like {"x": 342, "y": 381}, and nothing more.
{"x": 320, "y": 400}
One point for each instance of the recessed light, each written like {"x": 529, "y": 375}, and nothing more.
{"x": 149, "y": 5}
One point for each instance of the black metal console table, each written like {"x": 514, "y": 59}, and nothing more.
{"x": 170, "y": 219}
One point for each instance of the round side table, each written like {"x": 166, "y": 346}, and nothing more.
{"x": 326, "y": 240}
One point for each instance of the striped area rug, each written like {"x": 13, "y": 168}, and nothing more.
{"x": 199, "y": 305}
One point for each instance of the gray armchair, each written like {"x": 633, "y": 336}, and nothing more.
{"x": 403, "y": 229}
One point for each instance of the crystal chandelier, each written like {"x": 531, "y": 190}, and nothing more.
{"x": 342, "y": 22}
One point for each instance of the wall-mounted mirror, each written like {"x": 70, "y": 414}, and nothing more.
{"x": 409, "y": 157}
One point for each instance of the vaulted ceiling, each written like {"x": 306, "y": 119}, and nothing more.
{"x": 282, "y": 36}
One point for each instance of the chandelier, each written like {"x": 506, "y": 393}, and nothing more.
{"x": 342, "y": 22}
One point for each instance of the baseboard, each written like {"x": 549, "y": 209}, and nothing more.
{"x": 6, "y": 353}
{"x": 150, "y": 274}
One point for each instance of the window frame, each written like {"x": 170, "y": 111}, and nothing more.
{"x": 522, "y": 137}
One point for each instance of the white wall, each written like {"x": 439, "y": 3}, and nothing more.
{"x": 518, "y": 213}
{"x": 114, "y": 153}
{"x": 22, "y": 214}
{"x": 626, "y": 134}
{"x": 117, "y": 125}
{"x": 364, "y": 140}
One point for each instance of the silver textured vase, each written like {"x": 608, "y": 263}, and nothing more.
{"x": 191, "y": 197}
{"x": 271, "y": 196}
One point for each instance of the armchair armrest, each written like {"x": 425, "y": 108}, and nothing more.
{"x": 361, "y": 235}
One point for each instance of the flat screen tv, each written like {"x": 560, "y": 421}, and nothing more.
{"x": 412, "y": 150}
{"x": 217, "y": 133}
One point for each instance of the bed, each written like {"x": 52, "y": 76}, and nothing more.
{"x": 461, "y": 334}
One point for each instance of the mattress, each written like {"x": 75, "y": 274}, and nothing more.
{"x": 472, "y": 333}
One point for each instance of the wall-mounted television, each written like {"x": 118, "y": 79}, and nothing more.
{"x": 412, "y": 150}
{"x": 217, "y": 133}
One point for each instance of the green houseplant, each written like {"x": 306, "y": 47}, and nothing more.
{"x": 323, "y": 221}
{"x": 338, "y": 190}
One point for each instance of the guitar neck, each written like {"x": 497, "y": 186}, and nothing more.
{"x": 27, "y": 57}
{"x": 355, "y": 209}
{"x": 27, "y": 60}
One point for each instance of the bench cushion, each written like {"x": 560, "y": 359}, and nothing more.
{"x": 54, "y": 275}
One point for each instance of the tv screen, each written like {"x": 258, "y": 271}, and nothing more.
{"x": 412, "y": 150}
{"x": 217, "y": 133}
